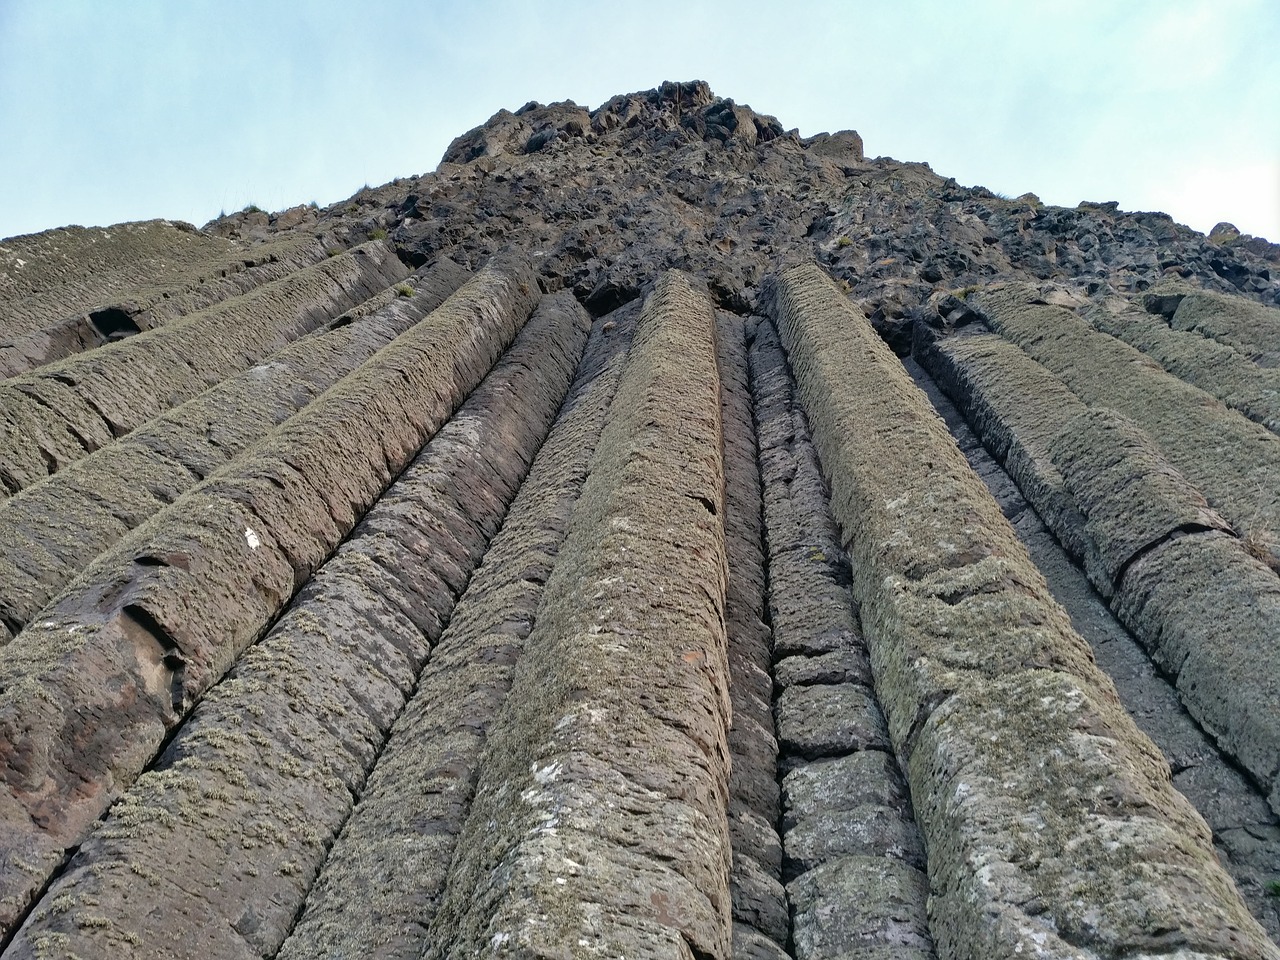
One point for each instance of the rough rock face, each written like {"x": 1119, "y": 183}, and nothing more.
{"x": 652, "y": 534}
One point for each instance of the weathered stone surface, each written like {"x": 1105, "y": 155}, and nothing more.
{"x": 125, "y": 294}
{"x": 1193, "y": 596}
{"x": 856, "y": 802}
{"x": 1246, "y": 326}
{"x": 608, "y": 768}
{"x": 87, "y": 695}
{"x": 838, "y": 666}
{"x": 1210, "y": 615}
{"x": 1017, "y": 407}
{"x": 382, "y": 881}
{"x": 843, "y": 145}
{"x": 1214, "y": 367}
{"x": 1232, "y": 461}
{"x": 153, "y": 270}
{"x": 868, "y": 777}
{"x": 869, "y": 830}
{"x": 307, "y": 709}
{"x": 759, "y": 900}
{"x": 1017, "y": 751}
{"x": 60, "y": 524}
{"x": 861, "y": 907}
{"x": 749, "y": 944}
{"x": 1163, "y": 297}
{"x": 822, "y": 721}
{"x": 1245, "y": 828}
{"x": 1130, "y": 496}
{"x": 59, "y": 413}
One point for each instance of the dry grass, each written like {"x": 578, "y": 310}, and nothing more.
{"x": 1263, "y": 547}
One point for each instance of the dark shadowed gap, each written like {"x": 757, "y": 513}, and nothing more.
{"x": 113, "y": 323}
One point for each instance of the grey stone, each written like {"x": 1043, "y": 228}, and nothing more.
{"x": 859, "y": 903}
{"x": 867, "y": 778}
{"x": 849, "y": 665}
{"x": 826, "y": 721}
{"x": 1013, "y": 739}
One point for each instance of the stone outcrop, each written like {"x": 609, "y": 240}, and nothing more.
{"x": 323, "y": 687}
{"x": 59, "y": 524}
{"x": 160, "y": 617}
{"x": 62, "y": 411}
{"x": 853, "y": 854}
{"x": 383, "y": 880}
{"x": 652, "y": 534}
{"x": 74, "y": 289}
{"x": 1003, "y": 723}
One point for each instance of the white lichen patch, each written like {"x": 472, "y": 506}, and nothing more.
{"x": 546, "y": 774}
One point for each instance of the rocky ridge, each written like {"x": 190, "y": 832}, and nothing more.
{"x": 653, "y": 533}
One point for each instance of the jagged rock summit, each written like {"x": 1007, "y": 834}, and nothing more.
{"x": 651, "y": 534}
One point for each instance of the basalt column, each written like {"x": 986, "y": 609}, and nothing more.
{"x": 599, "y": 820}
{"x": 1049, "y": 819}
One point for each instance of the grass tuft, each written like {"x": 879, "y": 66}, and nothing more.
{"x": 1262, "y": 547}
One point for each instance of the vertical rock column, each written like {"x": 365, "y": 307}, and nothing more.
{"x": 59, "y": 413}
{"x": 1051, "y": 825}
{"x": 90, "y": 692}
{"x": 760, "y": 923}
{"x": 1232, "y": 461}
{"x": 599, "y": 825}
{"x": 854, "y": 860}
{"x": 53, "y": 529}
{"x": 1246, "y": 833}
{"x": 255, "y": 785}
{"x": 384, "y": 877}
{"x": 1205, "y": 607}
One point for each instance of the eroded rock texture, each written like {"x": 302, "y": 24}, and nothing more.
{"x": 651, "y": 534}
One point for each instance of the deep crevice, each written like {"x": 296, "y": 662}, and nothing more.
{"x": 706, "y": 502}
{"x": 70, "y": 428}
{"x": 113, "y": 323}
{"x": 116, "y": 431}
{"x": 170, "y": 658}
{"x": 12, "y": 624}
{"x": 924, "y": 711}
{"x": 67, "y": 856}
{"x": 798, "y": 444}
{"x": 748, "y": 442}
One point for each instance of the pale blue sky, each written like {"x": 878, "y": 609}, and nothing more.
{"x": 182, "y": 108}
